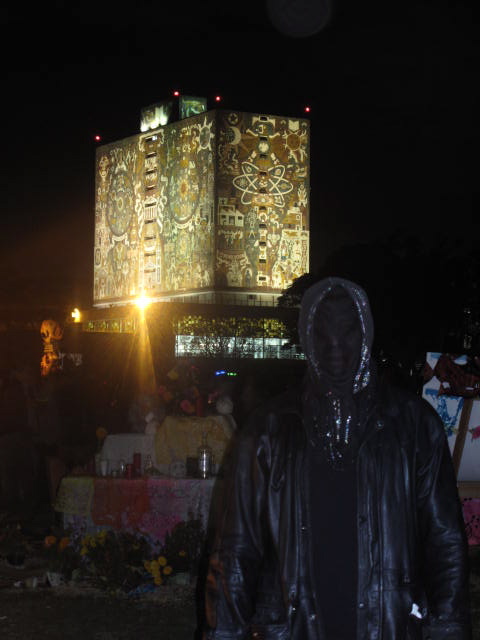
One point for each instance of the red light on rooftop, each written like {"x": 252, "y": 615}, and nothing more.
{"x": 307, "y": 109}
{"x": 176, "y": 93}
{"x": 218, "y": 98}
{"x": 97, "y": 138}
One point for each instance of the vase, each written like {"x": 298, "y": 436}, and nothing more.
{"x": 180, "y": 579}
{"x": 54, "y": 578}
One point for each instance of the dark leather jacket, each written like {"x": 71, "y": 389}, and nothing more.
{"x": 411, "y": 541}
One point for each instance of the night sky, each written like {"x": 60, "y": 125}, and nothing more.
{"x": 390, "y": 86}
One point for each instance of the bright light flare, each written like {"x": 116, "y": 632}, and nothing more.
{"x": 76, "y": 315}
{"x": 307, "y": 109}
{"x": 142, "y": 302}
{"x": 97, "y": 138}
{"x": 176, "y": 93}
{"x": 218, "y": 98}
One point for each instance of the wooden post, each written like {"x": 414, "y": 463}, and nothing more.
{"x": 462, "y": 433}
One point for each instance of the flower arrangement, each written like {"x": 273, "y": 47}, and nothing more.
{"x": 159, "y": 569}
{"x": 119, "y": 561}
{"x": 60, "y": 554}
{"x": 181, "y": 394}
{"x": 183, "y": 546}
{"x": 114, "y": 560}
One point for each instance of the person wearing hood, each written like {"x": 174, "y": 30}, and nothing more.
{"x": 340, "y": 517}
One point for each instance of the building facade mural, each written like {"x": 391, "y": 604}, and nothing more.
{"x": 262, "y": 200}
{"x": 217, "y": 201}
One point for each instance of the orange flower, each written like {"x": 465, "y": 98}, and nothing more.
{"x": 50, "y": 541}
{"x": 167, "y": 570}
{"x": 64, "y": 542}
{"x": 101, "y": 433}
{"x": 162, "y": 561}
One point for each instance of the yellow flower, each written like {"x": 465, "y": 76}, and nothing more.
{"x": 50, "y": 541}
{"x": 64, "y": 542}
{"x": 158, "y": 580}
{"x": 87, "y": 540}
{"x": 162, "y": 561}
{"x": 167, "y": 570}
{"x": 101, "y": 536}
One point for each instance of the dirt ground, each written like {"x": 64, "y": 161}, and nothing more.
{"x": 81, "y": 613}
{"x": 65, "y": 613}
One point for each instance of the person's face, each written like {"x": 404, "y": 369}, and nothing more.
{"x": 338, "y": 336}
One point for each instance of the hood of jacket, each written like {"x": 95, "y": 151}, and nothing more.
{"x": 336, "y": 334}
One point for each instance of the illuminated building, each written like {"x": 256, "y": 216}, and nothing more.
{"x": 212, "y": 207}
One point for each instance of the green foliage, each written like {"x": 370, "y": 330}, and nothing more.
{"x": 183, "y": 545}
{"x": 114, "y": 560}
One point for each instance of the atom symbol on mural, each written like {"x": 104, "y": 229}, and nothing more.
{"x": 254, "y": 181}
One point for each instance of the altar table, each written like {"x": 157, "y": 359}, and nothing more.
{"x": 176, "y": 439}
{"x": 151, "y": 506}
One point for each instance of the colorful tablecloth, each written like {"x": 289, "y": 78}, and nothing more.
{"x": 471, "y": 515}
{"x": 152, "y": 506}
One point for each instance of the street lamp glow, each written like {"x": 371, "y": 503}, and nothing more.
{"x": 142, "y": 302}
{"x": 76, "y": 315}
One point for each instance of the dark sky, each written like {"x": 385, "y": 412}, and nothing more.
{"x": 390, "y": 84}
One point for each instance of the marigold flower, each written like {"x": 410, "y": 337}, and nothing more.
{"x": 63, "y": 544}
{"x": 158, "y": 580}
{"x": 101, "y": 433}
{"x": 167, "y": 570}
{"x": 50, "y": 541}
{"x": 162, "y": 561}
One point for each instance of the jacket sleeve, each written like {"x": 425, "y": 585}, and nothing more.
{"x": 237, "y": 552}
{"x": 442, "y": 533}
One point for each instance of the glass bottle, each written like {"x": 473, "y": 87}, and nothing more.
{"x": 204, "y": 457}
{"x": 148, "y": 466}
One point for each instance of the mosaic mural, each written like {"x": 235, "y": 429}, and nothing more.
{"x": 219, "y": 200}
{"x": 263, "y": 200}
{"x": 154, "y": 215}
